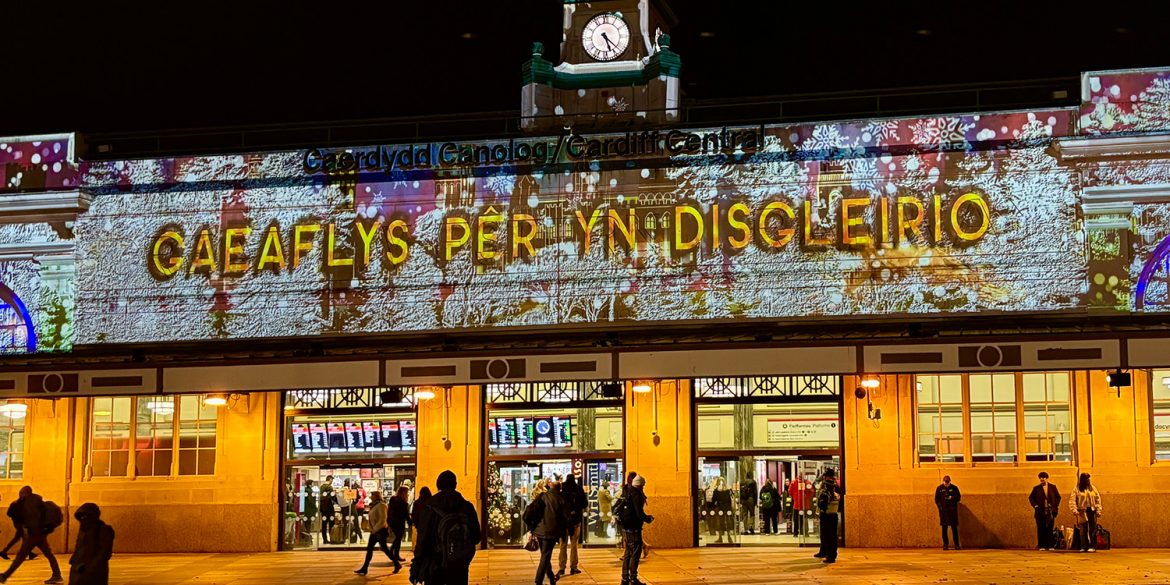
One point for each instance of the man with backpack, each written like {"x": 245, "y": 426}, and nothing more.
{"x": 770, "y": 507}
{"x": 40, "y": 519}
{"x": 630, "y": 513}
{"x": 448, "y": 534}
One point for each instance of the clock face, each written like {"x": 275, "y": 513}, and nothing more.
{"x": 605, "y": 37}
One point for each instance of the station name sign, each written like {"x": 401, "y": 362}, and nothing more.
{"x": 568, "y": 147}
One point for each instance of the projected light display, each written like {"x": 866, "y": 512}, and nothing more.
{"x": 936, "y": 215}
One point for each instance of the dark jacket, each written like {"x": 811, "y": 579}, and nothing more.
{"x": 636, "y": 500}
{"x": 749, "y": 494}
{"x": 576, "y": 502}
{"x": 427, "y": 565}
{"x": 721, "y": 500}
{"x": 328, "y": 502}
{"x": 90, "y": 562}
{"x": 830, "y": 489}
{"x": 1045, "y": 506}
{"x": 417, "y": 510}
{"x": 546, "y": 516}
{"x": 32, "y": 513}
{"x": 947, "y": 500}
{"x": 397, "y": 515}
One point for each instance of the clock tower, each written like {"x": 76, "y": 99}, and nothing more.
{"x": 616, "y": 70}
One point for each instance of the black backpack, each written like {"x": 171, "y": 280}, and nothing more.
{"x": 52, "y": 517}
{"x": 622, "y": 511}
{"x": 453, "y": 539}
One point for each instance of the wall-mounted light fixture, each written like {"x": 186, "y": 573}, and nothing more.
{"x": 642, "y": 386}
{"x": 218, "y": 399}
{"x": 1118, "y": 379}
{"x": 424, "y": 393}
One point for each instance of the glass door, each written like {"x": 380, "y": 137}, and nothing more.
{"x": 718, "y": 502}
{"x": 325, "y": 506}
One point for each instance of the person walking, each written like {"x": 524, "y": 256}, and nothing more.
{"x": 575, "y": 502}
{"x": 604, "y": 510}
{"x": 631, "y": 514}
{"x": 749, "y": 494}
{"x": 90, "y": 562}
{"x": 379, "y": 532}
{"x": 18, "y": 529}
{"x": 40, "y": 519}
{"x": 1045, "y": 500}
{"x": 1086, "y": 508}
{"x": 828, "y": 504}
{"x": 398, "y": 521}
{"x": 946, "y": 499}
{"x": 770, "y": 507}
{"x": 546, "y": 518}
{"x": 448, "y": 534}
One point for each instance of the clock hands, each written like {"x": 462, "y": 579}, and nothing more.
{"x": 607, "y": 41}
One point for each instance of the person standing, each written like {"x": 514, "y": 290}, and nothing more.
{"x": 90, "y": 562}
{"x": 604, "y": 509}
{"x": 828, "y": 504}
{"x": 575, "y": 502}
{"x": 345, "y": 497}
{"x": 631, "y": 514}
{"x": 379, "y": 532}
{"x": 749, "y": 494}
{"x": 1086, "y": 508}
{"x": 546, "y": 518}
{"x": 721, "y": 513}
{"x": 946, "y": 499}
{"x": 359, "y": 506}
{"x": 39, "y": 521}
{"x": 328, "y": 509}
{"x": 770, "y": 507}
{"x": 448, "y": 534}
{"x": 1045, "y": 500}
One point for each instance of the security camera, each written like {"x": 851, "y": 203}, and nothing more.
{"x": 859, "y": 392}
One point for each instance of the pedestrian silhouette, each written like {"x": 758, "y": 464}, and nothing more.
{"x": 40, "y": 518}
{"x": 90, "y": 562}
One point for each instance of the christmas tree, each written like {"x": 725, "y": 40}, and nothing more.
{"x": 499, "y": 519}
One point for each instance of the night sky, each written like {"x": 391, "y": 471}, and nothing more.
{"x": 173, "y": 65}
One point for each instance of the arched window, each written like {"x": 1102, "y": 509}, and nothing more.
{"x": 16, "y": 327}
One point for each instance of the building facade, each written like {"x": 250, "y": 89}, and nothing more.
{"x": 200, "y": 344}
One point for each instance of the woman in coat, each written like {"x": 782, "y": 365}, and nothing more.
{"x": 946, "y": 499}
{"x": 721, "y": 513}
{"x": 1086, "y": 508}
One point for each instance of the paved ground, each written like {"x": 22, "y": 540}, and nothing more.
{"x": 676, "y": 567}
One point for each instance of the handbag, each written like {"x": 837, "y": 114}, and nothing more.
{"x": 531, "y": 544}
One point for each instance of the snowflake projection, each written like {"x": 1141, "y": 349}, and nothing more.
{"x": 949, "y": 132}
{"x": 880, "y": 132}
{"x": 501, "y": 183}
